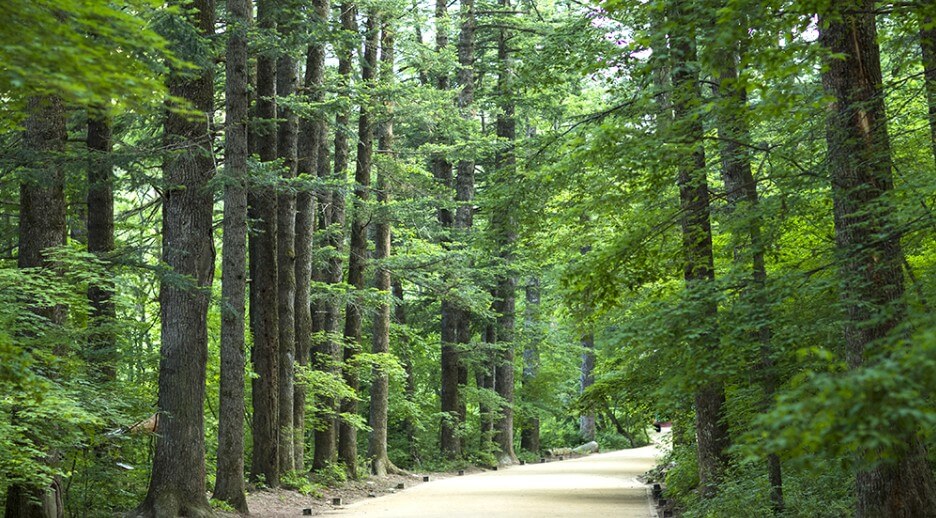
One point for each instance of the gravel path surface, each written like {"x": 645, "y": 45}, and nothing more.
{"x": 601, "y": 485}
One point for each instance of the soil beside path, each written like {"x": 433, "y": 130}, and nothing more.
{"x": 601, "y": 485}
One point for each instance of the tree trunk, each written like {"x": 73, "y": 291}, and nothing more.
{"x": 357, "y": 256}
{"x": 504, "y": 226}
{"x": 326, "y": 439}
{"x": 177, "y": 483}
{"x": 484, "y": 378}
{"x": 264, "y": 314}
{"x": 312, "y": 140}
{"x": 42, "y": 225}
{"x": 100, "y": 206}
{"x": 464, "y": 190}
{"x": 898, "y": 484}
{"x": 530, "y": 433}
{"x": 399, "y": 317}
{"x": 504, "y": 369}
{"x": 587, "y": 379}
{"x": 741, "y": 193}
{"x": 287, "y": 141}
{"x": 699, "y": 272}
{"x": 229, "y": 483}
{"x": 449, "y": 443}
{"x": 377, "y": 445}
{"x": 305, "y": 228}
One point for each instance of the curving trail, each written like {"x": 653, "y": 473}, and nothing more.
{"x": 600, "y": 485}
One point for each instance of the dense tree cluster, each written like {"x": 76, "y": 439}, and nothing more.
{"x": 276, "y": 243}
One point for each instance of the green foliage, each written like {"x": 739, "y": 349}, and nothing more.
{"x": 94, "y": 53}
{"x": 683, "y": 476}
{"x": 819, "y": 491}
{"x": 300, "y": 481}
{"x": 221, "y": 506}
{"x": 332, "y": 475}
{"x": 872, "y": 403}
{"x": 50, "y": 399}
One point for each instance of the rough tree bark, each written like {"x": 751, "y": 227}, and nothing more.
{"x": 305, "y": 228}
{"x": 287, "y": 80}
{"x": 464, "y": 193}
{"x": 484, "y": 378}
{"x": 377, "y": 442}
{"x": 313, "y": 134}
{"x": 262, "y": 247}
{"x": 357, "y": 252}
{"x": 900, "y": 483}
{"x": 503, "y": 222}
{"x": 42, "y": 225}
{"x": 399, "y": 317}
{"x": 699, "y": 272}
{"x": 100, "y": 207}
{"x": 449, "y": 443}
{"x": 329, "y": 355}
{"x": 530, "y": 432}
{"x": 177, "y": 483}
{"x": 229, "y": 483}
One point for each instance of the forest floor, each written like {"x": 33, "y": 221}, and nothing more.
{"x": 606, "y": 484}
{"x": 281, "y": 503}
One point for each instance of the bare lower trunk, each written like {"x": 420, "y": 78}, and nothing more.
{"x": 177, "y": 483}
{"x": 305, "y": 218}
{"x": 399, "y": 317}
{"x": 504, "y": 370}
{"x": 286, "y": 83}
{"x": 229, "y": 483}
{"x": 103, "y": 340}
{"x": 530, "y": 433}
{"x": 357, "y": 256}
{"x": 484, "y": 378}
{"x": 449, "y": 442}
{"x": 264, "y": 314}
{"x": 377, "y": 444}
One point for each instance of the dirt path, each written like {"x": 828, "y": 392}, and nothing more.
{"x": 602, "y": 485}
